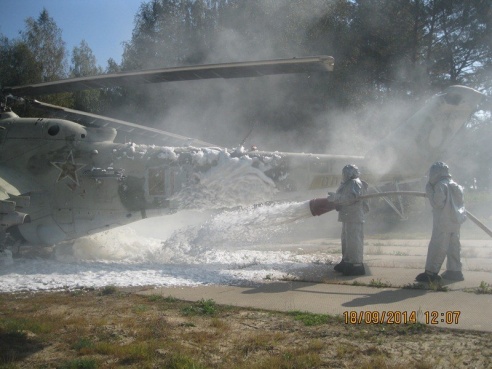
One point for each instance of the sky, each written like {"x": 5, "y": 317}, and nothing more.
{"x": 103, "y": 24}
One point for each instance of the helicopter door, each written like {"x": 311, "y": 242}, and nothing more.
{"x": 62, "y": 203}
{"x": 64, "y": 218}
{"x": 162, "y": 181}
{"x": 157, "y": 181}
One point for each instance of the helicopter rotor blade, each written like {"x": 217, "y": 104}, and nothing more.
{"x": 187, "y": 73}
{"x": 121, "y": 126}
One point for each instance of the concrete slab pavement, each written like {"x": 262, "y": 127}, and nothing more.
{"x": 388, "y": 292}
{"x": 383, "y": 295}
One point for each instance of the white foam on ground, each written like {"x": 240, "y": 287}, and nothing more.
{"x": 217, "y": 236}
{"x": 202, "y": 253}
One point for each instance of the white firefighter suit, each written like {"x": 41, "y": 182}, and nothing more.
{"x": 351, "y": 214}
{"x": 448, "y": 211}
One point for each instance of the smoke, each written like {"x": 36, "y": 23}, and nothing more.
{"x": 293, "y": 117}
{"x": 222, "y": 112}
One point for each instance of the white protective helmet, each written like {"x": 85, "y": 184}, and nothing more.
{"x": 350, "y": 171}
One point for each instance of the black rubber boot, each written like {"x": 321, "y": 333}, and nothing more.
{"x": 453, "y": 275}
{"x": 354, "y": 269}
{"x": 340, "y": 267}
{"x": 427, "y": 277}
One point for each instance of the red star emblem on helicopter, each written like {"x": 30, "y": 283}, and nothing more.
{"x": 68, "y": 169}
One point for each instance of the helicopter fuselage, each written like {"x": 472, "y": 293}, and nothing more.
{"x": 78, "y": 180}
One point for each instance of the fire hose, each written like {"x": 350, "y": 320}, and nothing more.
{"x": 321, "y": 206}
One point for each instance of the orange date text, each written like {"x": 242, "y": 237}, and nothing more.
{"x": 379, "y": 317}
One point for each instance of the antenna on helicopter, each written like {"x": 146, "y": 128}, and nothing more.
{"x": 255, "y": 123}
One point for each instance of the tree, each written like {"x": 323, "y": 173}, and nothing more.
{"x": 84, "y": 65}
{"x": 459, "y": 43}
{"x": 157, "y": 38}
{"x": 459, "y": 52}
{"x": 390, "y": 54}
{"x": 43, "y": 37}
{"x": 83, "y": 61}
{"x": 111, "y": 98}
{"x": 18, "y": 64}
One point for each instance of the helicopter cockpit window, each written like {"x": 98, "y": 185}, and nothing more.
{"x": 53, "y": 130}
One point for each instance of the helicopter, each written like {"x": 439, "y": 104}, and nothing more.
{"x": 65, "y": 177}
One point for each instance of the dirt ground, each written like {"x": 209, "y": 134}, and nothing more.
{"x": 112, "y": 328}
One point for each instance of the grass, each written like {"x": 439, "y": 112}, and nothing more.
{"x": 202, "y": 307}
{"x": 108, "y": 290}
{"x": 376, "y": 283}
{"x": 79, "y": 364}
{"x": 92, "y": 329}
{"x": 379, "y": 284}
{"x": 483, "y": 289}
{"x": 310, "y": 319}
{"x": 83, "y": 345}
{"x": 438, "y": 287}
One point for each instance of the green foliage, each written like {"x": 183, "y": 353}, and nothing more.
{"x": 84, "y": 65}
{"x": 382, "y": 47}
{"x": 417, "y": 327}
{"x": 108, "y": 290}
{"x": 438, "y": 287}
{"x": 182, "y": 361}
{"x": 311, "y": 319}
{"x": 160, "y": 298}
{"x": 43, "y": 37}
{"x": 294, "y": 359}
{"x": 484, "y": 288}
{"x": 140, "y": 308}
{"x": 18, "y": 65}
{"x": 202, "y": 307}
{"x": 22, "y": 325}
{"x": 83, "y": 344}
{"x": 81, "y": 363}
{"x": 379, "y": 284}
